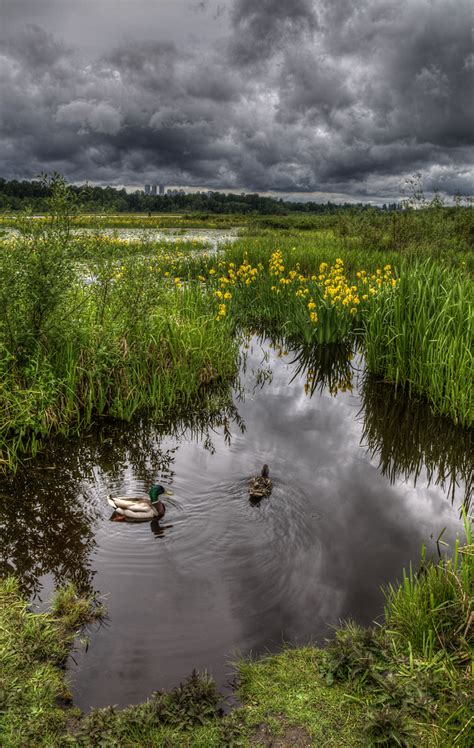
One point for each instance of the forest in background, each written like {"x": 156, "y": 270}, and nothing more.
{"x": 34, "y": 195}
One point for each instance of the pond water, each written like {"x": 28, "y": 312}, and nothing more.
{"x": 361, "y": 479}
{"x": 210, "y": 238}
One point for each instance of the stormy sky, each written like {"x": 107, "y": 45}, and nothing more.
{"x": 324, "y": 99}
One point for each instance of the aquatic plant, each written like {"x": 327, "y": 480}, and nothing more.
{"x": 91, "y": 325}
{"x": 99, "y": 339}
{"x": 414, "y": 670}
{"x": 422, "y": 338}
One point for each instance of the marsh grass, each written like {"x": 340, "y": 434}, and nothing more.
{"x": 33, "y": 651}
{"x": 421, "y": 338}
{"x": 77, "y": 347}
{"x": 414, "y": 671}
{"x": 101, "y": 221}
{"x": 432, "y": 609}
{"x": 92, "y": 326}
{"x": 114, "y": 363}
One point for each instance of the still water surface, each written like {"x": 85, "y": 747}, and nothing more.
{"x": 212, "y": 238}
{"x": 208, "y": 238}
{"x": 360, "y": 481}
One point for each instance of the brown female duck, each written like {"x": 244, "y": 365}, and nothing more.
{"x": 260, "y": 486}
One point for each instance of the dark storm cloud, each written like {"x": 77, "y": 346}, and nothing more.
{"x": 337, "y": 98}
{"x": 262, "y": 28}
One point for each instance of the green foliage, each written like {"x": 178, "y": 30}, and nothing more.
{"x": 35, "y": 272}
{"x": 416, "y": 667}
{"x": 81, "y": 338}
{"x": 432, "y": 609}
{"x": 389, "y": 727}
{"x": 33, "y": 650}
{"x": 192, "y": 704}
{"x": 422, "y": 338}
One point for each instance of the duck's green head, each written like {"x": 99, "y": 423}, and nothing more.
{"x": 156, "y": 491}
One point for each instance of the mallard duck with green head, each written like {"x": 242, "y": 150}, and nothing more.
{"x": 139, "y": 509}
{"x": 260, "y": 486}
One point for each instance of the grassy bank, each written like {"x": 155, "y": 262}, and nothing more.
{"x": 35, "y": 704}
{"x": 406, "y": 682}
{"x": 83, "y": 337}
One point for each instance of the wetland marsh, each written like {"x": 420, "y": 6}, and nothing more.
{"x": 346, "y": 370}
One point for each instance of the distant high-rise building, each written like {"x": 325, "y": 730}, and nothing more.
{"x": 162, "y": 189}
{"x": 147, "y": 189}
{"x": 153, "y": 189}
{"x": 174, "y": 192}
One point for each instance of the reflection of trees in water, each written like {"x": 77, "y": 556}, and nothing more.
{"x": 406, "y": 437}
{"x": 46, "y": 528}
{"x": 324, "y": 367}
{"x": 404, "y": 433}
{"x": 49, "y": 508}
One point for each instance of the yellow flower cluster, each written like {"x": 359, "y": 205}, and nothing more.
{"x": 275, "y": 265}
{"x": 336, "y": 287}
{"x": 330, "y": 285}
{"x": 228, "y": 276}
{"x": 221, "y": 312}
{"x": 330, "y": 288}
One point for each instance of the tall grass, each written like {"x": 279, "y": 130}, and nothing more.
{"x": 90, "y": 326}
{"x": 414, "y": 671}
{"x": 431, "y": 610}
{"x": 114, "y": 361}
{"x": 422, "y": 338}
{"x": 103, "y": 339}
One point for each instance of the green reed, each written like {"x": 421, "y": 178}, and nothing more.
{"x": 422, "y": 338}
{"x": 92, "y": 325}
{"x": 78, "y": 342}
{"x": 432, "y": 608}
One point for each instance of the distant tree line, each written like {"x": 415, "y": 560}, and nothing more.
{"x": 16, "y": 195}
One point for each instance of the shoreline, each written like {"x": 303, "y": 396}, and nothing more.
{"x": 407, "y": 680}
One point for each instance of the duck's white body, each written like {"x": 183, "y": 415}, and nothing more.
{"x": 139, "y": 510}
